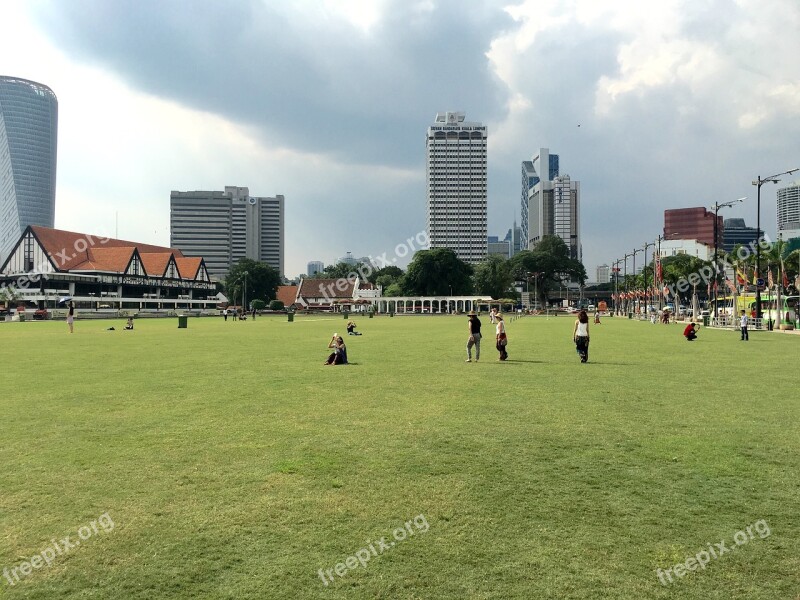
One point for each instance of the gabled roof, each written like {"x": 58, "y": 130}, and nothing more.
{"x": 318, "y": 288}
{"x": 156, "y": 263}
{"x": 111, "y": 260}
{"x": 71, "y": 250}
{"x": 188, "y": 266}
{"x": 286, "y": 294}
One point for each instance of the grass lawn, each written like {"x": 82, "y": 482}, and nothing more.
{"x": 234, "y": 465}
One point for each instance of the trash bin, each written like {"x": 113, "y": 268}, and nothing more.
{"x": 391, "y": 314}
{"x": 706, "y": 319}
{"x": 21, "y": 317}
{"x": 345, "y": 315}
{"x": 371, "y": 314}
{"x": 630, "y": 315}
{"x": 290, "y": 317}
{"x": 183, "y": 321}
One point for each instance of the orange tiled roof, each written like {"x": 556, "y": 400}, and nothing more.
{"x": 321, "y": 288}
{"x": 68, "y": 249}
{"x": 188, "y": 266}
{"x": 286, "y": 294}
{"x": 155, "y": 263}
{"x": 114, "y": 260}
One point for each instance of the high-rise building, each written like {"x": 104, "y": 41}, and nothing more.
{"x": 553, "y": 208}
{"x": 225, "y": 227}
{"x": 28, "y": 143}
{"x": 514, "y": 238}
{"x": 603, "y": 273}
{"x": 692, "y": 224}
{"x": 543, "y": 166}
{"x": 314, "y": 267}
{"x": 789, "y": 211}
{"x": 456, "y": 186}
{"x": 494, "y": 246}
{"x": 737, "y": 233}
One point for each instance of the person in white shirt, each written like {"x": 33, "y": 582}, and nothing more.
{"x": 580, "y": 335}
{"x": 501, "y": 337}
{"x": 743, "y": 325}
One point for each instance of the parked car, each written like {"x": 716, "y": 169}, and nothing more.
{"x": 41, "y": 314}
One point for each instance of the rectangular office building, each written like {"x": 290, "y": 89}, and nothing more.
{"x": 224, "y": 227}
{"x": 456, "y": 186}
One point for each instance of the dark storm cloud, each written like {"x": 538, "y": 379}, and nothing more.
{"x": 313, "y": 84}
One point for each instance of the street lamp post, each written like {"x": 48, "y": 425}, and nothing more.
{"x": 716, "y": 208}
{"x": 758, "y": 183}
{"x": 244, "y": 293}
{"x": 634, "y": 277}
{"x": 626, "y": 304}
{"x": 644, "y": 274}
{"x": 657, "y": 275}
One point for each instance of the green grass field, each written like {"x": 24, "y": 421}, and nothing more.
{"x": 234, "y": 465}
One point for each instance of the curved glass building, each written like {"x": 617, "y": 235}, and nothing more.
{"x": 28, "y": 140}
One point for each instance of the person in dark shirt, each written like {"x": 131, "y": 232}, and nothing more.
{"x": 474, "y": 337}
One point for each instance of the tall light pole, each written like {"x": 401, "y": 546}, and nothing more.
{"x": 658, "y": 274}
{"x": 634, "y": 277}
{"x": 758, "y": 183}
{"x": 716, "y": 208}
{"x": 244, "y": 293}
{"x": 625, "y": 280}
{"x": 644, "y": 274}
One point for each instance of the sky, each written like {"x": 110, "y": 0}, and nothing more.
{"x": 650, "y": 106}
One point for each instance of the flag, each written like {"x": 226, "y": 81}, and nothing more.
{"x": 770, "y": 280}
{"x": 730, "y": 284}
{"x": 741, "y": 278}
{"x": 665, "y": 291}
{"x": 659, "y": 272}
{"x": 755, "y": 277}
{"x": 785, "y": 279}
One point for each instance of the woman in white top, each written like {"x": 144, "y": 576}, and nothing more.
{"x": 501, "y": 337}
{"x": 580, "y": 335}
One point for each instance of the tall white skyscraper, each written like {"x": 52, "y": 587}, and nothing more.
{"x": 456, "y": 184}
{"x": 224, "y": 227}
{"x": 789, "y": 211}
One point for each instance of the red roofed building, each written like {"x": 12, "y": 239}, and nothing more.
{"x": 99, "y": 272}
{"x": 344, "y": 293}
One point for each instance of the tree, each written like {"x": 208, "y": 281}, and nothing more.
{"x": 276, "y": 305}
{"x": 340, "y": 271}
{"x": 437, "y": 272}
{"x": 493, "y": 277}
{"x": 386, "y": 276}
{"x": 683, "y": 270}
{"x": 262, "y": 281}
{"x": 549, "y": 265}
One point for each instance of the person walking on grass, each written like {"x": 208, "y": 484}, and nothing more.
{"x": 580, "y": 335}
{"x": 474, "y": 336}
{"x": 501, "y": 338}
{"x": 743, "y": 326}
{"x": 71, "y": 316}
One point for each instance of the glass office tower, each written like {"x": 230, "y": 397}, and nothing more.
{"x": 28, "y": 141}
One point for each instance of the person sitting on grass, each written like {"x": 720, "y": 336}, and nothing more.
{"x": 339, "y": 354}
{"x": 351, "y": 328}
{"x": 690, "y": 333}
{"x": 129, "y": 324}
